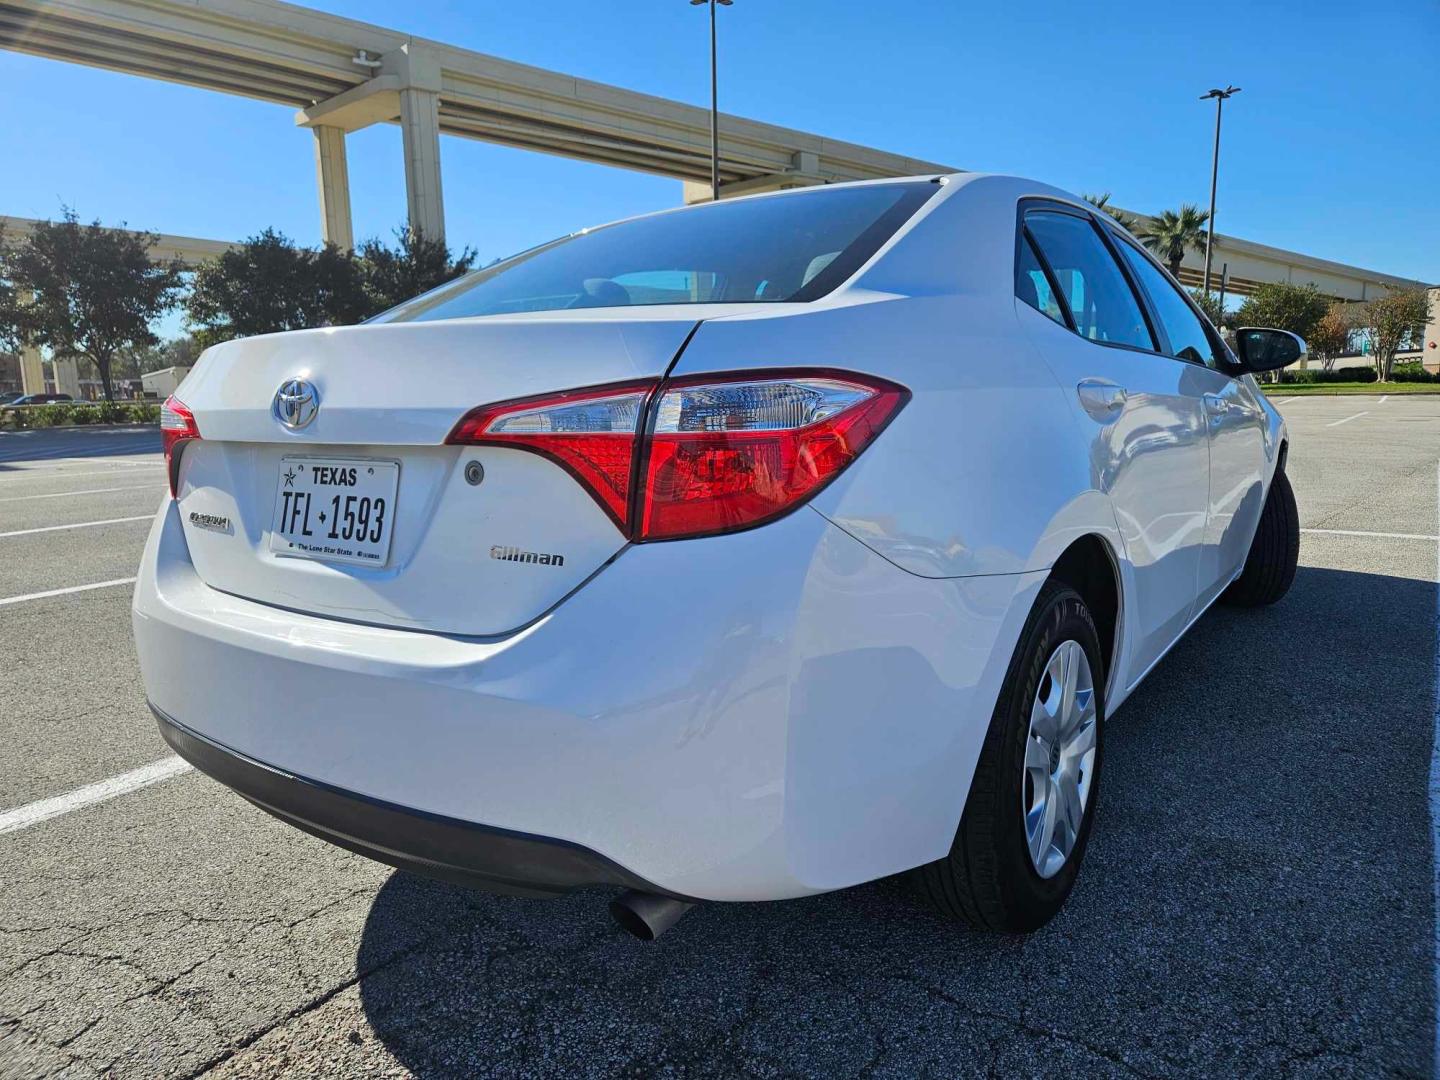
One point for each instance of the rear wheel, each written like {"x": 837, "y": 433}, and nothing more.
{"x": 1027, "y": 819}
{"x": 1270, "y": 566}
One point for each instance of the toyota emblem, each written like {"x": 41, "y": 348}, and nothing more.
{"x": 296, "y": 403}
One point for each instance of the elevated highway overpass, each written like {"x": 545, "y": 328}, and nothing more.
{"x": 342, "y": 75}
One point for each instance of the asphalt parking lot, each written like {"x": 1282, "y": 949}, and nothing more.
{"x": 1258, "y": 897}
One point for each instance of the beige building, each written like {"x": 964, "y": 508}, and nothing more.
{"x": 1430, "y": 340}
{"x": 162, "y": 383}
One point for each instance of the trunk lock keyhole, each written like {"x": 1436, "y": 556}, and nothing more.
{"x": 474, "y": 472}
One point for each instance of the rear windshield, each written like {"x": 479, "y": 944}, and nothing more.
{"x": 752, "y": 251}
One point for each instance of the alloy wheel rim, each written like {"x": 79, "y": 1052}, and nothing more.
{"x": 1059, "y": 758}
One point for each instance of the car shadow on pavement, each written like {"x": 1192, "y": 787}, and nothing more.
{"x": 1257, "y": 897}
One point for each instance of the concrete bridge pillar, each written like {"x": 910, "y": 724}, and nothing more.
{"x": 405, "y": 89}
{"x": 420, "y": 130}
{"x": 332, "y": 177}
{"x": 32, "y": 368}
{"x": 67, "y": 376}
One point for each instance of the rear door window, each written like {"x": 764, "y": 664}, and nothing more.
{"x": 1032, "y": 286}
{"x": 1095, "y": 291}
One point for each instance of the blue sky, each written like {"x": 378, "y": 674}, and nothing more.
{"x": 1329, "y": 149}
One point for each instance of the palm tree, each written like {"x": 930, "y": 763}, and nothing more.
{"x": 1102, "y": 202}
{"x": 1169, "y": 235}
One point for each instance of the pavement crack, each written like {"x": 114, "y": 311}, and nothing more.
{"x": 1020, "y": 1024}
{"x": 319, "y": 1000}
{"x": 63, "y": 1043}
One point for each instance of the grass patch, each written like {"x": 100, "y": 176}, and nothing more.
{"x": 1372, "y": 388}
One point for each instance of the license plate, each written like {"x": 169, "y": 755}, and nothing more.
{"x": 335, "y": 509}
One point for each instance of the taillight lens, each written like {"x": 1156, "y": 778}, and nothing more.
{"x": 177, "y": 426}
{"x": 720, "y": 452}
{"x": 732, "y": 454}
{"x": 591, "y": 433}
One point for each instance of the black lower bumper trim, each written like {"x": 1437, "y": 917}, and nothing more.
{"x": 479, "y": 856}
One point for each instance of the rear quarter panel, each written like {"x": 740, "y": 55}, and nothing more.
{"x": 984, "y": 471}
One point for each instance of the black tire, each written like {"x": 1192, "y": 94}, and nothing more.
{"x": 988, "y": 879}
{"x": 1270, "y": 566}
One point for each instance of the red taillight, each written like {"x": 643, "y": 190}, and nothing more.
{"x": 590, "y": 432}
{"x": 177, "y": 426}
{"x": 732, "y": 454}
{"x": 722, "y": 453}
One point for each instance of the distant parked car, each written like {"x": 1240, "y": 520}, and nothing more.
{"x": 9, "y": 397}
{"x": 814, "y": 541}
{"x": 41, "y": 399}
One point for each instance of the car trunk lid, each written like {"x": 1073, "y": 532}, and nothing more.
{"x": 473, "y": 540}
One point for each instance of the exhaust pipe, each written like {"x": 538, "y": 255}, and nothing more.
{"x": 647, "y": 915}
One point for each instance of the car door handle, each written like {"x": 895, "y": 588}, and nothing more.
{"x": 1103, "y": 400}
{"x": 1218, "y": 405}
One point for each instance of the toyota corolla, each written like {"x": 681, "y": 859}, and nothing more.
{"x": 736, "y": 552}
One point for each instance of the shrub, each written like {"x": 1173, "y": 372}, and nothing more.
{"x": 1352, "y": 374}
{"x": 1412, "y": 372}
{"x": 64, "y": 413}
{"x": 1310, "y": 376}
{"x": 73, "y": 413}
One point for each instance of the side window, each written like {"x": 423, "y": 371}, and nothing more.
{"x": 1031, "y": 284}
{"x": 1099, "y": 298}
{"x": 1188, "y": 339}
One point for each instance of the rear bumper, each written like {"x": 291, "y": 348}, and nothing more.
{"x": 479, "y": 856}
{"x": 751, "y": 717}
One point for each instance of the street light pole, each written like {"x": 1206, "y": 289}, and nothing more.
{"x": 1219, "y": 96}
{"x": 714, "y": 101}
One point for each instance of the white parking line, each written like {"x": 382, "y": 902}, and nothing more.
{"x": 1288, "y": 400}
{"x": 1380, "y": 535}
{"x": 66, "y": 591}
{"x": 1384, "y": 398}
{"x": 77, "y": 525}
{"x": 1435, "y": 789}
{"x": 1337, "y": 423}
{"x": 22, "y": 817}
{"x": 87, "y": 491}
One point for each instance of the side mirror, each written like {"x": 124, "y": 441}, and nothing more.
{"x": 1260, "y": 349}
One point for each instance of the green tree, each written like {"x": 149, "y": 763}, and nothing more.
{"x": 1210, "y": 304}
{"x": 9, "y": 307}
{"x": 87, "y": 291}
{"x": 267, "y": 284}
{"x": 1102, "y": 202}
{"x": 1297, "y": 308}
{"x": 180, "y": 352}
{"x": 1390, "y": 322}
{"x": 415, "y": 265}
{"x": 1330, "y": 337}
{"x": 135, "y": 361}
{"x": 1170, "y": 234}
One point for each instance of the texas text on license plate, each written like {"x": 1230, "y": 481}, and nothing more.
{"x": 336, "y": 509}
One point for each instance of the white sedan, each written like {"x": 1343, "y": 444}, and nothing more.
{"x": 737, "y": 552}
